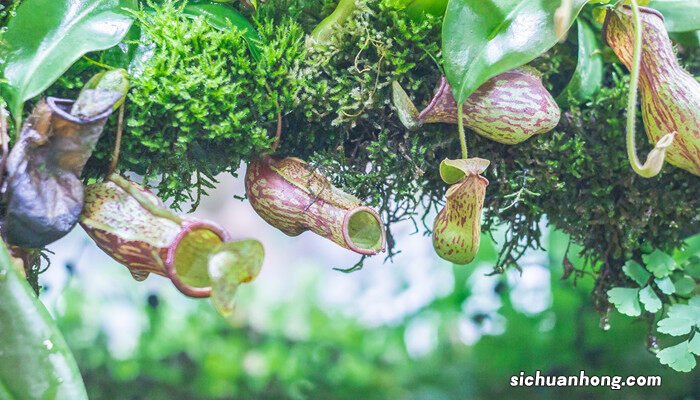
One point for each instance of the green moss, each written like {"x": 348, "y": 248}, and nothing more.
{"x": 200, "y": 105}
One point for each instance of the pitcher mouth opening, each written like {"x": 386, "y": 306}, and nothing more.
{"x": 192, "y": 247}
{"x": 62, "y": 107}
{"x": 363, "y": 231}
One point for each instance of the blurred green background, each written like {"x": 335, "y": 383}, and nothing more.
{"x": 464, "y": 342}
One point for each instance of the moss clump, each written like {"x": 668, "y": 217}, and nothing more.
{"x": 200, "y": 104}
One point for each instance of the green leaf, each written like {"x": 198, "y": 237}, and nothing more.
{"x": 484, "y": 38}
{"x": 692, "y": 267}
{"x": 684, "y": 285}
{"x": 651, "y": 301}
{"x": 46, "y": 37}
{"x": 405, "y": 109}
{"x": 686, "y": 39}
{"x": 636, "y": 272}
{"x": 659, "y": 263}
{"x": 690, "y": 248}
{"x": 121, "y": 56}
{"x": 222, "y": 17}
{"x": 677, "y": 357}
{"x": 665, "y": 285}
{"x": 588, "y": 75}
{"x": 36, "y": 362}
{"x": 626, "y": 300}
{"x": 681, "y": 318}
{"x": 695, "y": 302}
{"x": 679, "y": 15}
{"x": 694, "y": 344}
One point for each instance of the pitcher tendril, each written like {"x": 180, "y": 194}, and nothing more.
{"x": 655, "y": 159}
{"x": 117, "y": 142}
{"x": 460, "y": 127}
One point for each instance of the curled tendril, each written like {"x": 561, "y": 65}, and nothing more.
{"x": 655, "y": 160}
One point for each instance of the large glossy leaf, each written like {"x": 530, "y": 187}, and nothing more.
{"x": 46, "y": 37}
{"x": 484, "y": 38}
{"x": 35, "y": 362}
{"x": 686, "y": 39}
{"x": 220, "y": 16}
{"x": 588, "y": 76}
{"x": 679, "y": 15}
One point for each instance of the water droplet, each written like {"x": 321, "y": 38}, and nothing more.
{"x": 48, "y": 344}
{"x": 652, "y": 344}
{"x": 605, "y": 323}
{"x": 139, "y": 275}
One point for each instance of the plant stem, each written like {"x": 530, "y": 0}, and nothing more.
{"x": 4, "y": 140}
{"x": 97, "y": 63}
{"x": 18, "y": 124}
{"x": 143, "y": 200}
{"x": 324, "y": 31}
{"x": 278, "y": 133}
{"x": 460, "y": 127}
